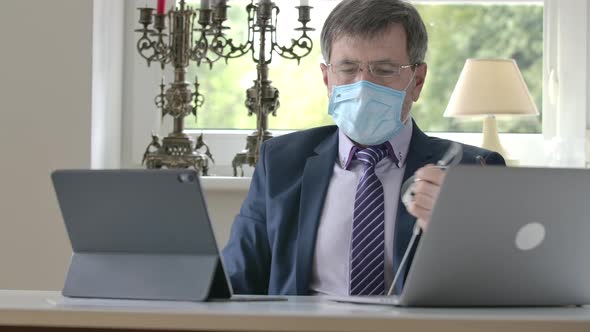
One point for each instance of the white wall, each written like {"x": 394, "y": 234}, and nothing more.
{"x": 588, "y": 86}
{"x": 588, "y": 109}
{"x": 107, "y": 83}
{"x": 45, "y": 111}
{"x": 223, "y": 205}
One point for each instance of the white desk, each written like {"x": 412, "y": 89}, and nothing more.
{"x": 37, "y": 310}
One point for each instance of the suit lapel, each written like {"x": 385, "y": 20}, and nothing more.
{"x": 316, "y": 178}
{"x": 419, "y": 154}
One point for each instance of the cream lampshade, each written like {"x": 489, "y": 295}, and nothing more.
{"x": 491, "y": 87}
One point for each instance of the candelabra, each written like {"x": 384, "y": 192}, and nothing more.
{"x": 262, "y": 99}
{"x": 178, "y": 46}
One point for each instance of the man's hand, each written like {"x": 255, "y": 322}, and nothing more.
{"x": 426, "y": 188}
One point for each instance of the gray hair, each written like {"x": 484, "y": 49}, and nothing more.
{"x": 366, "y": 18}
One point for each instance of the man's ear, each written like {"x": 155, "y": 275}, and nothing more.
{"x": 419, "y": 78}
{"x": 324, "y": 69}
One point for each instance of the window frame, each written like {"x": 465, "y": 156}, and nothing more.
{"x": 564, "y": 116}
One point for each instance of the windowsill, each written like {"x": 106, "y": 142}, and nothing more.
{"x": 225, "y": 183}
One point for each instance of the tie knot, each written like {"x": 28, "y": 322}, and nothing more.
{"x": 371, "y": 155}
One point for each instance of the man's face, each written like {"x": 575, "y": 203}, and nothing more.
{"x": 388, "y": 47}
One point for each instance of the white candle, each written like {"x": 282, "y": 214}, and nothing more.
{"x": 205, "y": 4}
{"x": 303, "y": 2}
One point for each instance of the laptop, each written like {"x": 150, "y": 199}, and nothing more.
{"x": 140, "y": 235}
{"x": 502, "y": 236}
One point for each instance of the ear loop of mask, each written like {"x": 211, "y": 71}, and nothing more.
{"x": 406, "y": 90}
{"x": 411, "y": 79}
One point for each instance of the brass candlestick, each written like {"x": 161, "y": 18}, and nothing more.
{"x": 176, "y": 45}
{"x": 262, "y": 99}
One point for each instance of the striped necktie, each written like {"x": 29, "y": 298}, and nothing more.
{"x": 367, "y": 265}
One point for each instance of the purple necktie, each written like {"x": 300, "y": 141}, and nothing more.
{"x": 367, "y": 255}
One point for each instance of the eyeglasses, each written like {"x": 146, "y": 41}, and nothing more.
{"x": 385, "y": 70}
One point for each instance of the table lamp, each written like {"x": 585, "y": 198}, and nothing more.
{"x": 490, "y": 88}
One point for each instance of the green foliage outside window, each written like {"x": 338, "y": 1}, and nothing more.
{"x": 456, "y": 32}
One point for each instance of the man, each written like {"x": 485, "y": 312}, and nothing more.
{"x": 323, "y": 214}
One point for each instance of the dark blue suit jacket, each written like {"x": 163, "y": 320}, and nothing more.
{"x": 272, "y": 241}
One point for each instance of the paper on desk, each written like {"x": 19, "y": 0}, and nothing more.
{"x": 378, "y": 300}
{"x": 89, "y": 302}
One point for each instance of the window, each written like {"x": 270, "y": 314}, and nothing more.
{"x": 457, "y": 31}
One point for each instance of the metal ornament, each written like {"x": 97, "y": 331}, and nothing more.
{"x": 262, "y": 99}
{"x": 177, "y": 46}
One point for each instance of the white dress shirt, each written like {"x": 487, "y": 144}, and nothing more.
{"x": 331, "y": 261}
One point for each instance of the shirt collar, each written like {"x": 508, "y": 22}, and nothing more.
{"x": 398, "y": 145}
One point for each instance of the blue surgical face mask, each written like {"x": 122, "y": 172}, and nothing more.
{"x": 368, "y": 113}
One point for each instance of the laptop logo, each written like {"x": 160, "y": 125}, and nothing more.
{"x": 530, "y": 236}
